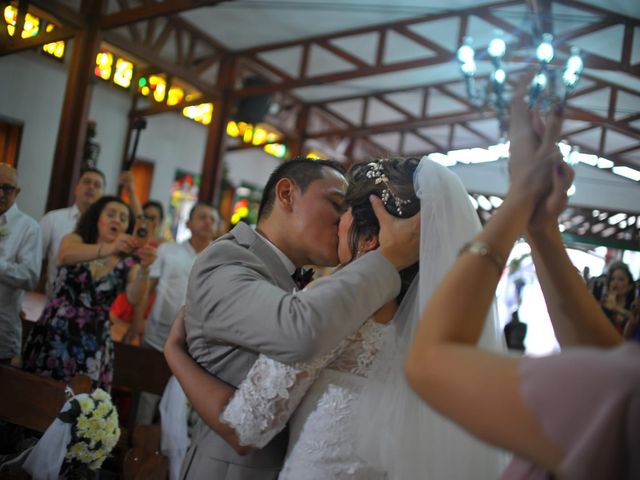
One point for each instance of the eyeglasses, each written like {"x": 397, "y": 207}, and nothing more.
{"x": 7, "y": 189}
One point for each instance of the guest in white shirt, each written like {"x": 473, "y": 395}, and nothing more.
{"x": 20, "y": 260}
{"x": 169, "y": 277}
{"x": 57, "y": 223}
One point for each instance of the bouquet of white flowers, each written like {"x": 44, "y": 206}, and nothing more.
{"x": 82, "y": 436}
{"x": 94, "y": 428}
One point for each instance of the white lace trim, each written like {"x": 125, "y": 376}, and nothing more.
{"x": 268, "y": 396}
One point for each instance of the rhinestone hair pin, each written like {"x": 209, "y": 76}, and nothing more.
{"x": 375, "y": 170}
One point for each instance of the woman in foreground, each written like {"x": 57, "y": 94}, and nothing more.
{"x": 574, "y": 415}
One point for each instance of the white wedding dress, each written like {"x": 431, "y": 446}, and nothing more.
{"x": 320, "y": 399}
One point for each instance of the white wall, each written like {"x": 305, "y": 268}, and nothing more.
{"x": 32, "y": 90}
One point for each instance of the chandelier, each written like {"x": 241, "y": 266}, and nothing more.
{"x": 547, "y": 88}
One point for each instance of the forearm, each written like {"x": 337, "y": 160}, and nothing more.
{"x": 208, "y": 394}
{"x": 575, "y": 314}
{"x": 22, "y": 274}
{"x": 137, "y": 287}
{"x": 73, "y": 253}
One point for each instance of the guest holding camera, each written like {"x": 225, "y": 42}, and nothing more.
{"x": 96, "y": 262}
{"x": 128, "y": 320}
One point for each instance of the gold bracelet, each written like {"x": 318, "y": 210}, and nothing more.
{"x": 483, "y": 249}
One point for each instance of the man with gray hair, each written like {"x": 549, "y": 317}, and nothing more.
{"x": 20, "y": 259}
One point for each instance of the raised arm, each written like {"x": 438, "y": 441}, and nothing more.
{"x": 74, "y": 250}
{"x": 575, "y": 314}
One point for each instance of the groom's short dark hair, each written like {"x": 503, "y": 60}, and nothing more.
{"x": 301, "y": 171}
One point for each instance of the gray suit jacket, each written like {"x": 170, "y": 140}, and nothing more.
{"x": 240, "y": 303}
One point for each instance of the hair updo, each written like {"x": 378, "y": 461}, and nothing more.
{"x": 392, "y": 180}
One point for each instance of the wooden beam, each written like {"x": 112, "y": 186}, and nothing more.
{"x": 65, "y": 15}
{"x": 153, "y": 10}
{"x": 151, "y": 56}
{"x": 16, "y": 45}
{"x": 340, "y": 76}
{"x": 69, "y": 150}
{"x": 215, "y": 148}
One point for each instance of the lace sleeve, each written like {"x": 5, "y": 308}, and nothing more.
{"x": 267, "y": 397}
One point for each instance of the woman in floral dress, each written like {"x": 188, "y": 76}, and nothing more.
{"x": 95, "y": 264}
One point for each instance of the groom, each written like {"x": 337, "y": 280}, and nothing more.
{"x": 240, "y": 300}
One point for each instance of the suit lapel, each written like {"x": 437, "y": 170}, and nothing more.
{"x": 248, "y": 238}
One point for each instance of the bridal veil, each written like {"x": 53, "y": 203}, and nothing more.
{"x": 397, "y": 431}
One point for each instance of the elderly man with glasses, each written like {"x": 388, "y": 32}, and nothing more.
{"x": 20, "y": 259}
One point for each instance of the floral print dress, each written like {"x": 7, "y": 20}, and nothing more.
{"x": 73, "y": 335}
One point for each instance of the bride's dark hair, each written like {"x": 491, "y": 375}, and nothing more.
{"x": 392, "y": 180}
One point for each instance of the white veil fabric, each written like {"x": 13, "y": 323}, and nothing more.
{"x": 396, "y": 431}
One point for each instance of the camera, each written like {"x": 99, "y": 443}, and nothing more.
{"x": 142, "y": 229}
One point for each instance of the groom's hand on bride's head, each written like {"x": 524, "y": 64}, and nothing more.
{"x": 399, "y": 237}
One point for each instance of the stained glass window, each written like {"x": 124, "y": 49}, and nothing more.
{"x": 123, "y": 73}
{"x": 104, "y": 65}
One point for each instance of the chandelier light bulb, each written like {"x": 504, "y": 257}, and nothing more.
{"x": 570, "y": 78}
{"x": 540, "y": 80}
{"x": 544, "y": 52}
{"x": 466, "y": 53}
{"x": 497, "y": 47}
{"x": 499, "y": 76}
{"x": 575, "y": 63}
{"x": 468, "y": 68}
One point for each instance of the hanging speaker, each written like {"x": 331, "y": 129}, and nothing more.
{"x": 253, "y": 109}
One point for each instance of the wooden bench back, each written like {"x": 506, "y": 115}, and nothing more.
{"x": 139, "y": 369}
{"x": 32, "y": 401}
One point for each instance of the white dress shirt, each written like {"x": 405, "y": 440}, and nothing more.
{"x": 55, "y": 225}
{"x": 171, "y": 269}
{"x": 20, "y": 260}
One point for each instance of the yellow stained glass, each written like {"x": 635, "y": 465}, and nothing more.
{"x": 232, "y": 129}
{"x": 104, "y": 65}
{"x": 123, "y": 73}
{"x": 276, "y": 149}
{"x": 200, "y": 113}
{"x": 158, "y": 86}
{"x": 11, "y": 18}
{"x": 55, "y": 49}
{"x": 315, "y": 155}
{"x": 31, "y": 26}
{"x": 259, "y": 136}
{"x": 248, "y": 134}
{"x": 175, "y": 96}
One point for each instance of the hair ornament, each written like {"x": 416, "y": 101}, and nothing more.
{"x": 375, "y": 170}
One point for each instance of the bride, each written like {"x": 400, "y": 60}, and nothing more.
{"x": 350, "y": 413}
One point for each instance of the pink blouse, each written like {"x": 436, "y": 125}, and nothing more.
{"x": 588, "y": 403}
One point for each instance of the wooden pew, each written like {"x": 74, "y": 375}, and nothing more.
{"x": 139, "y": 369}
{"x": 32, "y": 401}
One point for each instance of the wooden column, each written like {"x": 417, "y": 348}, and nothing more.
{"x": 75, "y": 110}
{"x": 296, "y": 145}
{"x": 210, "y": 179}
